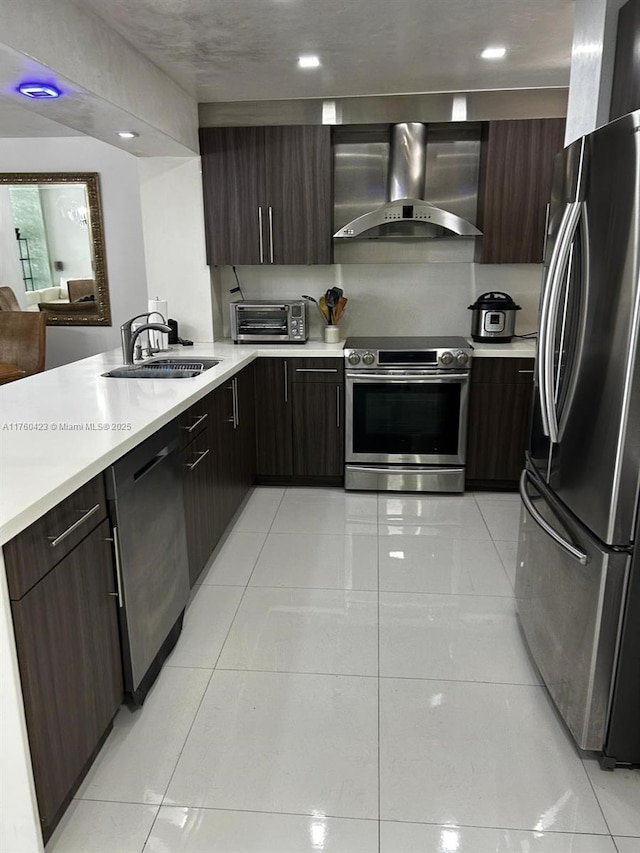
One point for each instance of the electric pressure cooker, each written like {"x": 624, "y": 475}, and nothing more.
{"x": 494, "y": 318}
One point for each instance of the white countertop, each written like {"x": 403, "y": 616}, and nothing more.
{"x": 62, "y": 427}
{"x": 522, "y": 348}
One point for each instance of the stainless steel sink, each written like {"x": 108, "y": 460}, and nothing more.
{"x": 180, "y": 367}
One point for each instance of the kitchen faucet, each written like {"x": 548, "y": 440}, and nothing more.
{"x": 129, "y": 337}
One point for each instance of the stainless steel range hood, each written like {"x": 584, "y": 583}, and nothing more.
{"x": 406, "y": 213}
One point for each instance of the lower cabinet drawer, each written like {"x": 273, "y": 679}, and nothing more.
{"x": 502, "y": 370}
{"x": 32, "y": 553}
{"x": 316, "y": 370}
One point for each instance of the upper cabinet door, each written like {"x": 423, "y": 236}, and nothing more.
{"x": 515, "y": 183}
{"x": 299, "y": 194}
{"x": 267, "y": 194}
{"x": 233, "y": 187}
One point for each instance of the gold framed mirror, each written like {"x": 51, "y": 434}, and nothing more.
{"x": 58, "y": 238}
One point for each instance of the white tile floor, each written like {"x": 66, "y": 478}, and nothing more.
{"x": 351, "y": 679}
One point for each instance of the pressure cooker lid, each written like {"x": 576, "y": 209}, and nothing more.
{"x": 494, "y": 300}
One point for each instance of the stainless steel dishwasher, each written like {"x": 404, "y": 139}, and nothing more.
{"x": 144, "y": 490}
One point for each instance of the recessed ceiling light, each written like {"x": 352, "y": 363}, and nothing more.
{"x": 308, "y": 62}
{"x": 40, "y": 91}
{"x": 493, "y": 52}
{"x": 127, "y": 134}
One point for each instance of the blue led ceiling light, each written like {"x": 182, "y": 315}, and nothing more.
{"x": 39, "y": 90}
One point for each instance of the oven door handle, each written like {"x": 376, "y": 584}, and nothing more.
{"x": 409, "y": 380}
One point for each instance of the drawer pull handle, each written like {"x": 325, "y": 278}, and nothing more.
{"x": 201, "y": 455}
{"x": 195, "y": 424}
{"x": 525, "y": 371}
{"x": 316, "y": 369}
{"x": 56, "y": 540}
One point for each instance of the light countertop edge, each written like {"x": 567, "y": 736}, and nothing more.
{"x": 60, "y": 428}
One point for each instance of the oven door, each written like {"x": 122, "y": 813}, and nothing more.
{"x": 404, "y": 417}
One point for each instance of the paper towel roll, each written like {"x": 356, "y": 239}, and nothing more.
{"x": 158, "y": 340}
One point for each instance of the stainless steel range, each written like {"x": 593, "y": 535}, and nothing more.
{"x": 406, "y": 413}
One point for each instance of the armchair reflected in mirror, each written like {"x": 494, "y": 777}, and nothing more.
{"x": 51, "y": 225}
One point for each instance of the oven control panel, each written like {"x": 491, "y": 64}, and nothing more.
{"x": 407, "y": 353}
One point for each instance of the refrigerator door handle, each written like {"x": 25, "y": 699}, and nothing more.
{"x": 576, "y": 553}
{"x": 549, "y": 316}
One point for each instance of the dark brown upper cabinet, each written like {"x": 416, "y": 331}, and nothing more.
{"x": 267, "y": 194}
{"x": 515, "y": 183}
{"x": 625, "y": 93}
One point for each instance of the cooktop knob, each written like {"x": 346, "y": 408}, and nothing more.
{"x": 353, "y": 358}
{"x": 369, "y": 358}
{"x": 462, "y": 358}
{"x": 446, "y": 358}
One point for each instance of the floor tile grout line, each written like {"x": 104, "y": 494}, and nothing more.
{"x": 159, "y": 806}
{"x": 213, "y": 670}
{"x": 153, "y": 823}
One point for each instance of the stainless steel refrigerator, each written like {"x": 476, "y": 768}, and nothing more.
{"x": 578, "y": 565}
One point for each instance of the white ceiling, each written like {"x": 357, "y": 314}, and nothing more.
{"x": 246, "y": 50}
{"x": 236, "y": 50}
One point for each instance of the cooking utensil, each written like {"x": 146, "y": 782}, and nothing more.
{"x": 324, "y": 308}
{"x": 332, "y": 297}
{"x": 339, "y": 308}
{"x": 324, "y": 311}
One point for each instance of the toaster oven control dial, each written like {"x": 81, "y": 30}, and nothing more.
{"x": 462, "y": 359}
{"x": 368, "y": 358}
{"x": 446, "y": 358}
{"x": 353, "y": 358}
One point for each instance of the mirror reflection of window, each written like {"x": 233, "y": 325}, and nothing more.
{"x": 52, "y": 226}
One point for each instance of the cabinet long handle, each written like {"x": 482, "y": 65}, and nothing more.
{"x": 525, "y": 371}
{"x": 56, "y": 540}
{"x": 116, "y": 551}
{"x": 195, "y": 424}
{"x": 260, "y": 239}
{"x": 316, "y": 369}
{"x": 236, "y": 410}
{"x": 271, "y": 233}
{"x": 286, "y": 382}
{"x": 338, "y": 406}
{"x": 201, "y": 454}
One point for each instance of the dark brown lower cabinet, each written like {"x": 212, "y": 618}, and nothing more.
{"x": 234, "y": 415}
{"x": 219, "y": 464}
{"x": 317, "y": 414}
{"x": 274, "y": 448}
{"x": 66, "y": 631}
{"x": 299, "y": 420}
{"x": 500, "y": 401}
{"x": 202, "y": 500}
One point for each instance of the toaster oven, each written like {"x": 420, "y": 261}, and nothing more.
{"x": 284, "y": 321}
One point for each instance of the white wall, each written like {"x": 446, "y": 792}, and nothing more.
{"x": 388, "y": 299}
{"x": 122, "y": 217}
{"x": 173, "y": 225}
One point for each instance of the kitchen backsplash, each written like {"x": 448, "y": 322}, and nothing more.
{"x": 385, "y": 299}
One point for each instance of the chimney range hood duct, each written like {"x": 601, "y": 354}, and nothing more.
{"x": 405, "y": 194}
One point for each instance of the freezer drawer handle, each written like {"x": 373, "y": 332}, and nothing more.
{"x": 576, "y": 553}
